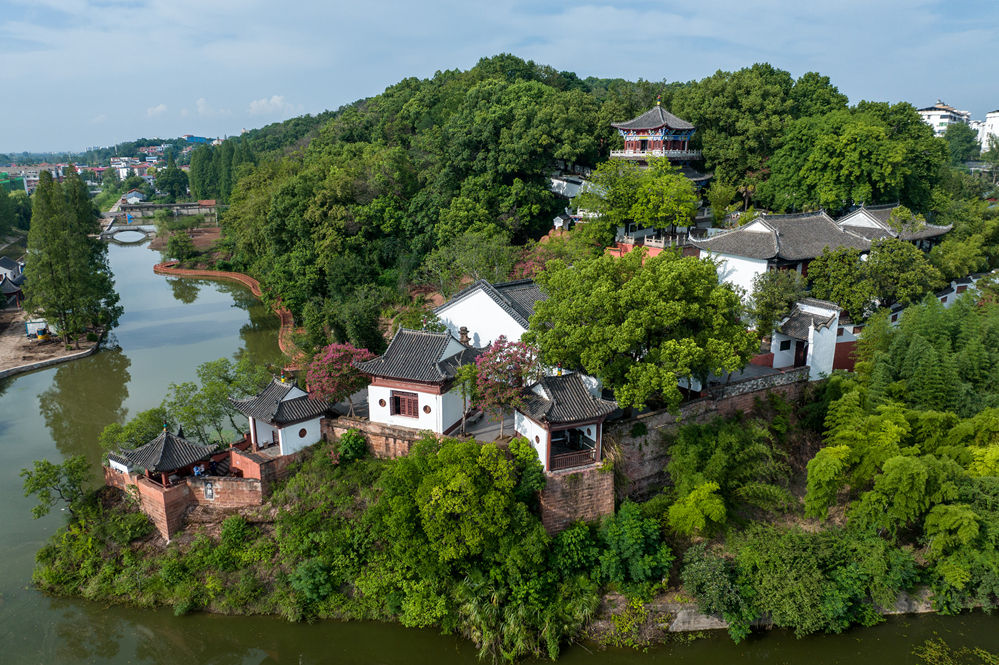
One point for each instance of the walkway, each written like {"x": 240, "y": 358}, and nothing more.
{"x": 285, "y": 342}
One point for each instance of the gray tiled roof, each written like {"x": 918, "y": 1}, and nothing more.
{"x": 418, "y": 355}
{"x": 740, "y": 242}
{"x": 167, "y": 452}
{"x": 566, "y": 400}
{"x": 881, "y": 214}
{"x": 515, "y": 298}
{"x": 270, "y": 406}
{"x": 790, "y": 237}
{"x": 8, "y": 287}
{"x": 798, "y": 322}
{"x": 655, "y": 117}
{"x": 9, "y": 264}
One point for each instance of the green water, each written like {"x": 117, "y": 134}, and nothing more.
{"x": 170, "y": 326}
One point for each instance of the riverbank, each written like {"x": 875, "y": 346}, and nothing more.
{"x": 338, "y": 542}
{"x": 20, "y": 353}
{"x": 285, "y": 342}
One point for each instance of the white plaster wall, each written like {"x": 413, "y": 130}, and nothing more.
{"x": 382, "y": 414}
{"x": 264, "y": 434}
{"x": 738, "y": 270}
{"x": 450, "y": 409}
{"x": 484, "y": 319}
{"x": 781, "y": 358}
{"x": 530, "y": 429}
{"x": 292, "y": 443}
{"x": 117, "y": 466}
{"x": 821, "y": 351}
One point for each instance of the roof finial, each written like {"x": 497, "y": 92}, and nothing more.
{"x": 659, "y": 100}
{"x": 164, "y": 426}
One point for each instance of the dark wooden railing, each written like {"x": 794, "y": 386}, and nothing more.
{"x": 573, "y": 459}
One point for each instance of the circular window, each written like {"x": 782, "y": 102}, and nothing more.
{"x": 302, "y": 432}
{"x": 537, "y": 439}
{"x": 426, "y": 409}
{"x": 381, "y": 402}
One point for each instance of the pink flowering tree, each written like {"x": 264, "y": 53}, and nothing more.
{"x": 332, "y": 375}
{"x": 504, "y": 370}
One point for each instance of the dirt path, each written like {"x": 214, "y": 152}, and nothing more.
{"x": 17, "y": 349}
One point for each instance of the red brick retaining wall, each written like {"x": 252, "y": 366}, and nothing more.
{"x": 585, "y": 495}
{"x": 384, "y": 441}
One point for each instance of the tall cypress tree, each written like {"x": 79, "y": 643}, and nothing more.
{"x": 67, "y": 277}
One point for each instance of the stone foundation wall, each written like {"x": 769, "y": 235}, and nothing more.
{"x": 226, "y": 492}
{"x": 640, "y": 458}
{"x": 571, "y": 496}
{"x": 384, "y": 441}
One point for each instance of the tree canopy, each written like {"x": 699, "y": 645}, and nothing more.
{"x": 68, "y": 281}
{"x": 640, "y": 324}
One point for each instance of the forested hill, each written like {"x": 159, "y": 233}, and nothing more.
{"x": 339, "y": 228}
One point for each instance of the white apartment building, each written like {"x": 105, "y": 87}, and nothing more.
{"x": 940, "y": 115}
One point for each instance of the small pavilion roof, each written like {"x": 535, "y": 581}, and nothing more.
{"x": 420, "y": 355}
{"x": 564, "y": 399}
{"x": 654, "y": 118}
{"x": 270, "y": 405}
{"x": 167, "y": 452}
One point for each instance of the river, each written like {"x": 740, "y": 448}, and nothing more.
{"x": 170, "y": 326}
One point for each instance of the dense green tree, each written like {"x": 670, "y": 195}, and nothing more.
{"x": 68, "y": 280}
{"x": 640, "y": 324}
{"x": 814, "y": 94}
{"x": 473, "y": 255}
{"x": 774, "y": 294}
{"x": 962, "y": 142}
{"x": 839, "y": 275}
{"x": 52, "y": 483}
{"x": 720, "y": 197}
{"x": 899, "y": 272}
{"x": 739, "y": 116}
{"x": 140, "y": 430}
{"x": 665, "y": 198}
{"x": 172, "y": 180}
{"x": 180, "y": 246}
{"x": 869, "y": 154}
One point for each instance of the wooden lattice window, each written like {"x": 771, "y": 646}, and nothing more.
{"x": 405, "y": 404}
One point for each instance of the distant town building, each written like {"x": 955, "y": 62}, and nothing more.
{"x": 988, "y": 129}
{"x": 940, "y": 115}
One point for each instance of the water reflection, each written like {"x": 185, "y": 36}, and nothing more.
{"x": 257, "y": 334}
{"x": 185, "y": 290}
{"x": 76, "y": 408}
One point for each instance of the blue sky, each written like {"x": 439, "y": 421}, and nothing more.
{"x": 77, "y": 73}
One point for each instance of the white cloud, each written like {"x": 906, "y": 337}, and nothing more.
{"x": 275, "y": 105}
{"x": 153, "y": 111}
{"x": 207, "y": 110}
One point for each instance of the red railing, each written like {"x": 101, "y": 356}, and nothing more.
{"x": 573, "y": 459}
